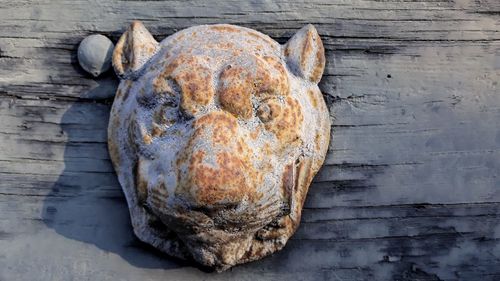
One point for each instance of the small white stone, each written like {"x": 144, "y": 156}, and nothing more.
{"x": 94, "y": 54}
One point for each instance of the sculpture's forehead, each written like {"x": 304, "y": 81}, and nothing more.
{"x": 221, "y": 40}
{"x": 244, "y": 61}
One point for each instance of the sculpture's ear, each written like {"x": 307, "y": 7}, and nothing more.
{"x": 305, "y": 54}
{"x": 133, "y": 50}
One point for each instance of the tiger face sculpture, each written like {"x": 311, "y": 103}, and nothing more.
{"x": 215, "y": 135}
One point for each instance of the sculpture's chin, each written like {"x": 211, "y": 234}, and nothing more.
{"x": 223, "y": 235}
{"x": 180, "y": 236}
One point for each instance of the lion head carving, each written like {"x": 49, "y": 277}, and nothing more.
{"x": 215, "y": 134}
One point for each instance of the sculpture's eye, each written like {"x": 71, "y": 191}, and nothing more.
{"x": 269, "y": 110}
{"x": 165, "y": 115}
{"x": 161, "y": 97}
{"x": 146, "y": 98}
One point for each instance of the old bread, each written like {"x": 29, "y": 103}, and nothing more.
{"x": 215, "y": 134}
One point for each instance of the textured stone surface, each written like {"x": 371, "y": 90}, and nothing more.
{"x": 409, "y": 188}
{"x": 215, "y": 141}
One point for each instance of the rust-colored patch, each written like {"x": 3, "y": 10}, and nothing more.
{"x": 133, "y": 48}
{"x": 312, "y": 98}
{"x": 319, "y": 64}
{"x": 317, "y": 141}
{"x": 159, "y": 195}
{"x": 160, "y": 115}
{"x": 307, "y": 49}
{"x": 141, "y": 182}
{"x": 224, "y": 28}
{"x": 147, "y": 138}
{"x": 303, "y": 180}
{"x": 266, "y": 149}
{"x": 240, "y": 146}
{"x": 217, "y": 119}
{"x": 255, "y": 133}
{"x": 157, "y": 131}
{"x": 285, "y": 121}
{"x": 236, "y": 90}
{"x": 223, "y": 130}
{"x": 225, "y": 182}
{"x": 269, "y": 78}
{"x": 114, "y": 153}
{"x": 269, "y": 109}
{"x": 194, "y": 80}
{"x": 223, "y": 46}
{"x": 309, "y": 55}
{"x": 279, "y": 76}
{"x": 219, "y": 128}
{"x": 126, "y": 90}
{"x": 181, "y": 36}
{"x": 214, "y": 175}
{"x": 238, "y": 84}
{"x": 287, "y": 183}
{"x": 160, "y": 85}
{"x": 119, "y": 61}
{"x": 196, "y": 90}
{"x": 261, "y": 37}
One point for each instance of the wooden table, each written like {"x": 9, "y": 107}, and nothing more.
{"x": 410, "y": 189}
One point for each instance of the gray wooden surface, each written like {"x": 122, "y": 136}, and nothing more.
{"x": 410, "y": 189}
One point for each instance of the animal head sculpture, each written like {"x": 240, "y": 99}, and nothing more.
{"x": 215, "y": 134}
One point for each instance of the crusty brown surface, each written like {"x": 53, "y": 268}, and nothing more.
{"x": 216, "y": 136}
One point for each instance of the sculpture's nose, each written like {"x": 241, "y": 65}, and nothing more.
{"x": 215, "y": 166}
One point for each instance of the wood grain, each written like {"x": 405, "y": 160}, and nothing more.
{"x": 410, "y": 189}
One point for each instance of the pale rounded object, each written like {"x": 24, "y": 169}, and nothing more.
{"x": 94, "y": 54}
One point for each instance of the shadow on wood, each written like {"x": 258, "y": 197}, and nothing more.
{"x": 81, "y": 210}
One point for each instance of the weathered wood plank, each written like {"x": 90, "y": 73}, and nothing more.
{"x": 410, "y": 189}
